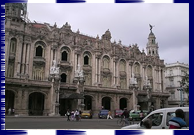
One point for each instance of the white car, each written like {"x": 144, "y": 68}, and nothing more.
{"x": 160, "y": 118}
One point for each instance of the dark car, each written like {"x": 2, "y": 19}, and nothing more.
{"x": 118, "y": 113}
{"x": 103, "y": 113}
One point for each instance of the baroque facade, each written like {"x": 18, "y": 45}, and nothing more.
{"x": 174, "y": 73}
{"x": 108, "y": 67}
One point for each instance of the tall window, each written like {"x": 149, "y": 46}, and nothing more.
{"x": 64, "y": 56}
{"x": 122, "y": 65}
{"x": 64, "y": 78}
{"x": 65, "y": 53}
{"x": 86, "y": 60}
{"x": 39, "y": 51}
{"x": 106, "y": 62}
{"x": 149, "y": 71}
{"x": 137, "y": 68}
{"x": 13, "y": 45}
{"x": 87, "y": 56}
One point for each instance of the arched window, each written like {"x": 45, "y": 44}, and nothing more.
{"x": 86, "y": 60}
{"x": 64, "y": 56}
{"x": 122, "y": 65}
{"x": 137, "y": 68}
{"x": 106, "y": 62}
{"x": 64, "y": 78}
{"x": 39, "y": 51}
{"x": 153, "y": 52}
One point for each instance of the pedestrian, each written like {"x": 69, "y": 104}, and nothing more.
{"x": 72, "y": 115}
{"x": 13, "y": 111}
{"x": 80, "y": 113}
{"x": 125, "y": 114}
{"x": 141, "y": 115}
{"x": 147, "y": 124}
{"x": 109, "y": 115}
{"x": 68, "y": 114}
{"x": 177, "y": 122}
{"x": 9, "y": 111}
{"x": 76, "y": 114}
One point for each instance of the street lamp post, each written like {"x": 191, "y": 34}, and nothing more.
{"x": 55, "y": 79}
{"x": 181, "y": 96}
{"x": 147, "y": 87}
{"x": 79, "y": 77}
{"x": 134, "y": 87}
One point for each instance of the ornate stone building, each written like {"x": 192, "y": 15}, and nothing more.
{"x": 108, "y": 67}
{"x": 173, "y": 75}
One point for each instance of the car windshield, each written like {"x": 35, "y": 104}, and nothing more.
{"x": 104, "y": 111}
{"x": 86, "y": 111}
{"x": 119, "y": 111}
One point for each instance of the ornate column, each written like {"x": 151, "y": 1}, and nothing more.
{"x": 55, "y": 79}
{"x": 23, "y": 58}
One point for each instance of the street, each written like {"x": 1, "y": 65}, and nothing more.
{"x": 58, "y": 123}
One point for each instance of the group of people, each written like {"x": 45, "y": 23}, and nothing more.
{"x": 10, "y": 111}
{"x": 74, "y": 115}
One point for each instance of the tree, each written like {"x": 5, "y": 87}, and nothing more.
{"x": 184, "y": 83}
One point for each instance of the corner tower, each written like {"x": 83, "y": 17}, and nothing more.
{"x": 152, "y": 46}
{"x": 16, "y": 11}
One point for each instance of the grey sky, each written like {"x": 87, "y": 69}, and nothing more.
{"x": 126, "y": 22}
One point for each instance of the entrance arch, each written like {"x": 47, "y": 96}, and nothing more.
{"x": 106, "y": 103}
{"x": 123, "y": 103}
{"x": 36, "y": 103}
{"x": 9, "y": 100}
{"x": 88, "y": 102}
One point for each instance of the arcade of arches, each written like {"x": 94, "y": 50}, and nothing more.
{"x": 36, "y": 104}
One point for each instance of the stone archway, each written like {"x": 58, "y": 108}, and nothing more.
{"x": 36, "y": 103}
{"x": 88, "y": 102}
{"x": 106, "y": 103}
{"x": 123, "y": 103}
{"x": 9, "y": 100}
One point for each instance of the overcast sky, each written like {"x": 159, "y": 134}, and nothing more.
{"x": 126, "y": 22}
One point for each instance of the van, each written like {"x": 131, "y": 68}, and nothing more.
{"x": 160, "y": 118}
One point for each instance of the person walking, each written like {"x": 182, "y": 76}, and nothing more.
{"x": 109, "y": 115}
{"x": 177, "y": 122}
{"x": 13, "y": 111}
{"x": 72, "y": 115}
{"x": 125, "y": 114}
{"x": 77, "y": 115}
{"x": 9, "y": 111}
{"x": 141, "y": 115}
{"x": 68, "y": 115}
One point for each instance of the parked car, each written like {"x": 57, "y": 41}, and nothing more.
{"x": 160, "y": 118}
{"x": 118, "y": 113}
{"x": 103, "y": 113}
{"x": 135, "y": 115}
{"x": 86, "y": 114}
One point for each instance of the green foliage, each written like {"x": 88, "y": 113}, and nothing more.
{"x": 184, "y": 83}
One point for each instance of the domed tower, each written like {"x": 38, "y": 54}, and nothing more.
{"x": 152, "y": 46}
{"x": 15, "y": 11}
